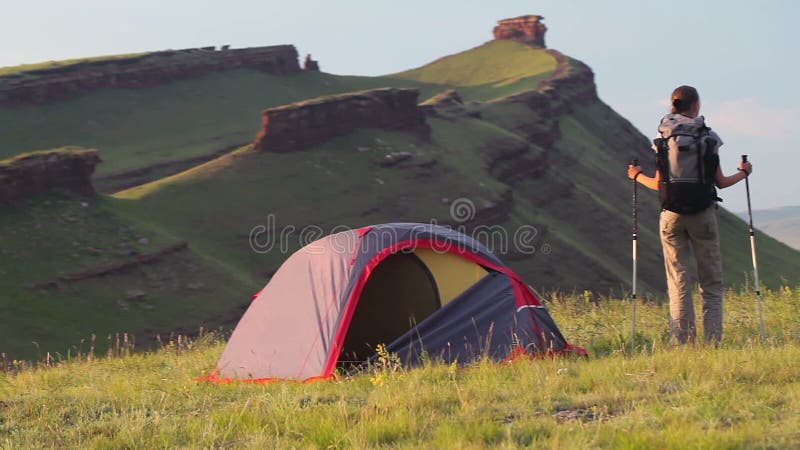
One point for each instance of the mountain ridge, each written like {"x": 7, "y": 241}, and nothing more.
{"x": 59, "y": 82}
{"x": 783, "y": 223}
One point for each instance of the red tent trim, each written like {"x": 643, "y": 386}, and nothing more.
{"x": 214, "y": 378}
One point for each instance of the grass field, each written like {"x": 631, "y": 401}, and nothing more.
{"x": 745, "y": 394}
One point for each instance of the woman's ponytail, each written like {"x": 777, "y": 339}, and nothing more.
{"x": 683, "y": 99}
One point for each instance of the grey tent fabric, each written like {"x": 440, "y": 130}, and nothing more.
{"x": 288, "y": 329}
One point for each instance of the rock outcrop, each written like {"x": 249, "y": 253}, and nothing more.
{"x": 147, "y": 70}
{"x": 33, "y": 173}
{"x": 526, "y": 29}
{"x": 569, "y": 86}
{"x": 300, "y": 125}
{"x": 310, "y": 65}
{"x": 450, "y": 104}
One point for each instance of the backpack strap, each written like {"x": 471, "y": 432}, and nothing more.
{"x": 662, "y": 166}
{"x": 662, "y": 155}
{"x": 702, "y": 147}
{"x": 710, "y": 163}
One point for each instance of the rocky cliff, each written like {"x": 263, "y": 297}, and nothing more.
{"x": 147, "y": 70}
{"x": 299, "y": 125}
{"x": 570, "y": 85}
{"x": 526, "y": 29}
{"x": 33, "y": 173}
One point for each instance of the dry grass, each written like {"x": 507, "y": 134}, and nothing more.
{"x": 742, "y": 395}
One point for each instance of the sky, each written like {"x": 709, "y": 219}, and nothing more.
{"x": 740, "y": 55}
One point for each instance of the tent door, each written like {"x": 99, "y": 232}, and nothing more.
{"x": 400, "y": 293}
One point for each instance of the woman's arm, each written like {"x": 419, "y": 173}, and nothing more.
{"x": 635, "y": 172}
{"x": 723, "y": 181}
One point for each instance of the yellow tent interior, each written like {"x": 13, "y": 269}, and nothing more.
{"x": 403, "y": 290}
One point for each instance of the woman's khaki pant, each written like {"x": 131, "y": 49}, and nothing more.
{"x": 682, "y": 234}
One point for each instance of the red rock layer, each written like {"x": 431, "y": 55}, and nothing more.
{"x": 526, "y": 29}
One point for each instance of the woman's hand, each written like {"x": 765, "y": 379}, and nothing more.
{"x": 746, "y": 167}
{"x": 723, "y": 181}
{"x": 633, "y": 171}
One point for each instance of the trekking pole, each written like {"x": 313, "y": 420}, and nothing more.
{"x": 635, "y": 207}
{"x": 761, "y": 328}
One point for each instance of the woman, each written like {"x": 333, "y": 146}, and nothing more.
{"x": 683, "y": 233}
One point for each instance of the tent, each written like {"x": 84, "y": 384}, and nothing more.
{"x": 424, "y": 291}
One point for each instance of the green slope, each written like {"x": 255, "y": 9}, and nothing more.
{"x": 584, "y": 222}
{"x": 60, "y": 234}
{"x": 332, "y": 185}
{"x": 492, "y": 70}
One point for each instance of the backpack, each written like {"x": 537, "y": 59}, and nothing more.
{"x": 687, "y": 160}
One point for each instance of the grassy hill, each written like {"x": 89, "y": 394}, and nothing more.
{"x": 742, "y": 395}
{"x": 139, "y": 128}
{"x": 50, "y": 303}
{"x": 485, "y": 72}
{"x": 183, "y": 145}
